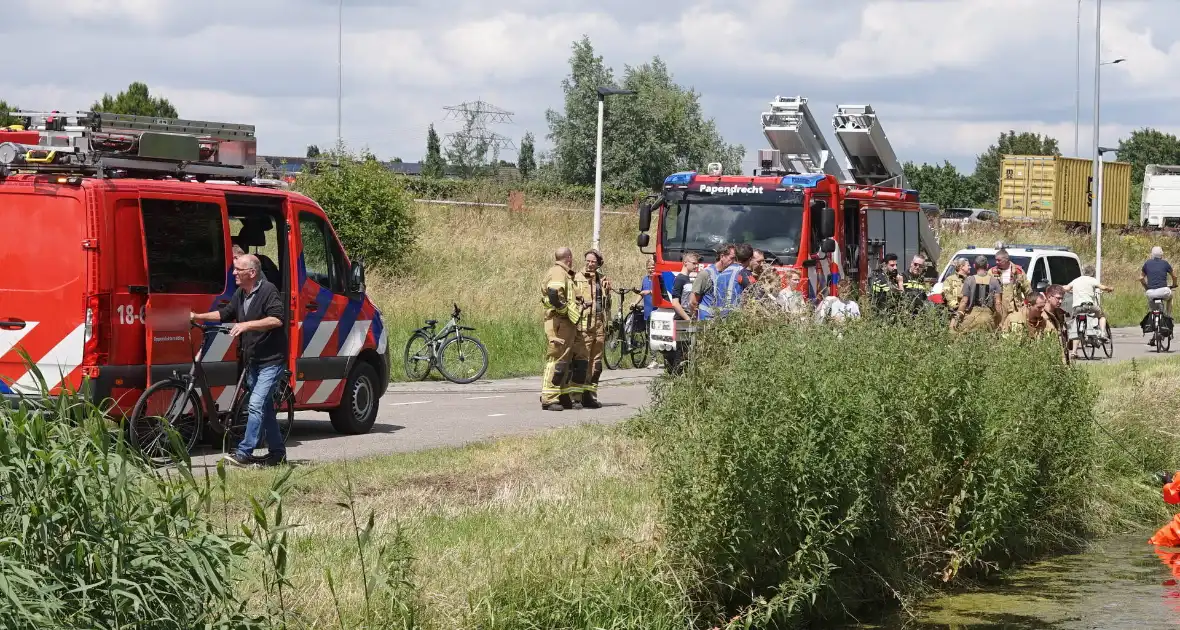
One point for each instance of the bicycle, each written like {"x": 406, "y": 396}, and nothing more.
{"x": 624, "y": 336}
{"x": 189, "y": 419}
{"x": 1160, "y": 339}
{"x": 1086, "y": 328}
{"x": 425, "y": 350}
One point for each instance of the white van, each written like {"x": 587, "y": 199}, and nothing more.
{"x": 1044, "y": 264}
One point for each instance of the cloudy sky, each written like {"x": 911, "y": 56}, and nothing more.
{"x": 946, "y": 76}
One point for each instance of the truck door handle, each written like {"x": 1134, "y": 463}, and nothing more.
{"x": 12, "y": 324}
{"x": 312, "y": 306}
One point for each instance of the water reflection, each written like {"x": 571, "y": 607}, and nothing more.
{"x": 1116, "y": 583}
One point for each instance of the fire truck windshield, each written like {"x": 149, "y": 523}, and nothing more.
{"x": 701, "y": 227}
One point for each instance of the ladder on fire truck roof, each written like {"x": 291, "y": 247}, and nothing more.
{"x": 792, "y": 131}
{"x": 119, "y": 145}
{"x": 870, "y": 157}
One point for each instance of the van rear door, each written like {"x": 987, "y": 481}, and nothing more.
{"x": 42, "y": 287}
{"x": 186, "y": 253}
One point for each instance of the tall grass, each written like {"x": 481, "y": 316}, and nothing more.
{"x": 1122, "y": 257}
{"x": 490, "y": 261}
{"x": 809, "y": 474}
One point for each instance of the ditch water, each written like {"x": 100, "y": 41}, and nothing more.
{"x": 1115, "y": 583}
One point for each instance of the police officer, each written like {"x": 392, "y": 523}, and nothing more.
{"x": 977, "y": 306}
{"x": 913, "y": 284}
{"x": 886, "y": 284}
{"x": 562, "y": 314}
{"x": 594, "y": 290}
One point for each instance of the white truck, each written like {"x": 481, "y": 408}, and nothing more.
{"x": 1161, "y": 196}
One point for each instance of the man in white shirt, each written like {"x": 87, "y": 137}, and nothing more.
{"x": 1085, "y": 290}
{"x": 839, "y": 308}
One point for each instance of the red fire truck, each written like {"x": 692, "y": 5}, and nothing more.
{"x": 822, "y": 222}
{"x": 116, "y": 227}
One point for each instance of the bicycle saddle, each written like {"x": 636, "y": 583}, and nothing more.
{"x": 431, "y": 322}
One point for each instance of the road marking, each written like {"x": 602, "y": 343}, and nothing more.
{"x": 483, "y": 397}
{"x": 496, "y": 415}
{"x": 412, "y": 402}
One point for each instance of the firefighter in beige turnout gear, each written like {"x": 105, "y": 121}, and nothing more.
{"x": 562, "y": 315}
{"x": 978, "y": 304}
{"x": 594, "y": 291}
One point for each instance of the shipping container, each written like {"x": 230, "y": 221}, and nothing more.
{"x": 1043, "y": 187}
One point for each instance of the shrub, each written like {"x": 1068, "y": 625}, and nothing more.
{"x": 496, "y": 191}
{"x": 807, "y": 473}
{"x": 90, "y": 537}
{"x": 368, "y": 206}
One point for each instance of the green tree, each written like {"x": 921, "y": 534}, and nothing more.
{"x": 574, "y": 130}
{"x": 987, "y": 165}
{"x": 434, "y": 165}
{"x": 368, "y": 205}
{"x": 6, "y": 117}
{"x": 136, "y": 100}
{"x": 944, "y": 185}
{"x": 661, "y": 130}
{"x": 646, "y": 136}
{"x": 469, "y": 150}
{"x": 526, "y": 162}
{"x": 1142, "y": 147}
{"x": 313, "y": 151}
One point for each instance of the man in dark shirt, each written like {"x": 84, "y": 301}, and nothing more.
{"x": 679, "y": 299}
{"x": 257, "y": 310}
{"x": 1154, "y": 278}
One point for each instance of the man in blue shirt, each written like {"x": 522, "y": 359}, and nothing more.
{"x": 1154, "y": 278}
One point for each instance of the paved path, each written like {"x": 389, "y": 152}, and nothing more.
{"x": 416, "y": 416}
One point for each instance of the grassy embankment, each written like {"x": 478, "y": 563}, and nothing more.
{"x": 491, "y": 261}
{"x": 1122, "y": 257}
{"x": 598, "y": 527}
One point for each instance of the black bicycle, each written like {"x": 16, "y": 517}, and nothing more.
{"x": 1089, "y": 337}
{"x": 453, "y": 351}
{"x": 1161, "y": 329}
{"x": 184, "y": 404}
{"x": 626, "y": 335}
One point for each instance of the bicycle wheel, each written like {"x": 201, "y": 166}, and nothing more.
{"x": 166, "y": 417}
{"x": 1108, "y": 343}
{"x": 1084, "y": 339}
{"x": 284, "y": 402}
{"x": 417, "y": 357}
{"x": 462, "y": 359}
{"x": 612, "y": 351}
{"x": 637, "y": 341}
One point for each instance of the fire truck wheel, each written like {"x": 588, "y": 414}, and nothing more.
{"x": 358, "y": 405}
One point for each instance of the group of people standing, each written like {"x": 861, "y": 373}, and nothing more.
{"x": 576, "y": 311}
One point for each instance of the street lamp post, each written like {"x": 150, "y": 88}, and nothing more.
{"x": 1077, "y": 89}
{"x": 340, "y": 69}
{"x": 1098, "y": 209}
{"x": 603, "y": 92}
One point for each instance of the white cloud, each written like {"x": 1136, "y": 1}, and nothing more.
{"x": 945, "y": 76}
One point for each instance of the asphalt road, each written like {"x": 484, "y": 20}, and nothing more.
{"x": 416, "y": 416}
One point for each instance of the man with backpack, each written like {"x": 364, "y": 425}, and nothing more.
{"x": 978, "y": 305}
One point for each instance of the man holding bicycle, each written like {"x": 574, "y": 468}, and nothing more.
{"x": 257, "y": 310}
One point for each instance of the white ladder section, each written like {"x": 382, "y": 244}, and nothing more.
{"x": 791, "y": 130}
{"x": 870, "y": 157}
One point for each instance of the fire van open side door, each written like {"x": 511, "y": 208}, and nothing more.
{"x": 188, "y": 264}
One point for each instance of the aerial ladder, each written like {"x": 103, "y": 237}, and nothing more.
{"x": 798, "y": 145}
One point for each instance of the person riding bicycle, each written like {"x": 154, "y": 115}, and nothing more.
{"x": 1154, "y": 277}
{"x": 257, "y": 310}
{"x": 1085, "y": 289}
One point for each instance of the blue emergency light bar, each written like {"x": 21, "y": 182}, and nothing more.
{"x": 680, "y": 179}
{"x": 809, "y": 180}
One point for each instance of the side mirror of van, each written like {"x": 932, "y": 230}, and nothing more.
{"x": 356, "y": 277}
{"x": 1041, "y": 286}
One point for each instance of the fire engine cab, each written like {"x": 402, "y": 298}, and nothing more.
{"x": 116, "y": 227}
{"x": 801, "y": 208}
